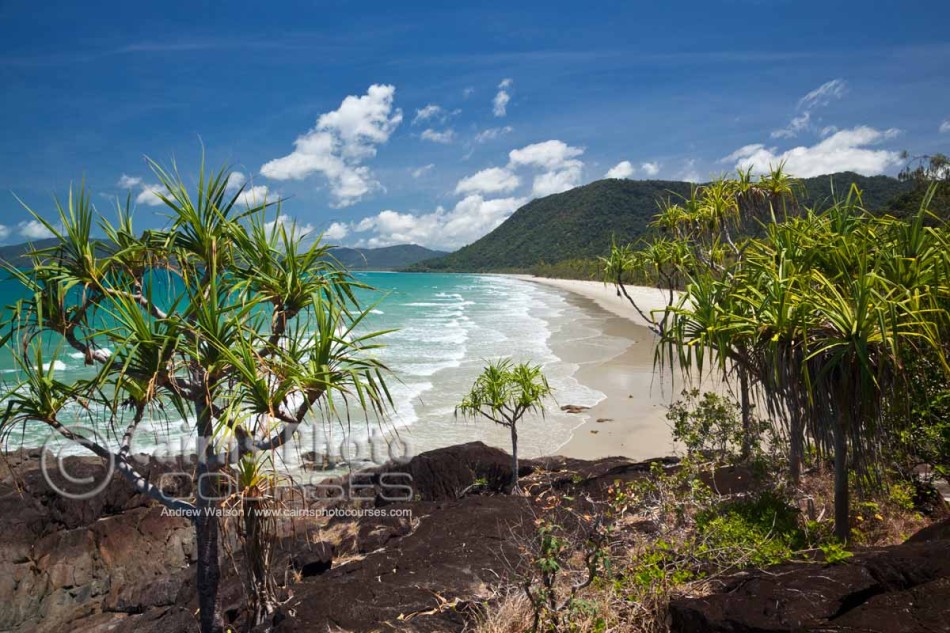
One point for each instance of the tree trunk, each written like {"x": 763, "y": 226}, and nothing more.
{"x": 795, "y": 449}
{"x": 842, "y": 501}
{"x": 514, "y": 460}
{"x": 747, "y": 434}
{"x": 208, "y": 572}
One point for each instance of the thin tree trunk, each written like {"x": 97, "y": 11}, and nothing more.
{"x": 796, "y": 448}
{"x": 842, "y": 501}
{"x": 747, "y": 434}
{"x": 514, "y": 460}
{"x": 208, "y": 573}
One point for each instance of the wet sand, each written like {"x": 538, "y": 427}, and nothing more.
{"x": 631, "y": 420}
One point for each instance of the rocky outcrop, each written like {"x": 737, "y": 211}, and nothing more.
{"x": 116, "y": 563}
{"x": 900, "y": 589}
{"x": 94, "y": 561}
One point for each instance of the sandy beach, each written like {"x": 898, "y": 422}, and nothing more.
{"x": 631, "y": 420}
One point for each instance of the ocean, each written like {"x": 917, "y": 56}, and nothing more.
{"x": 447, "y": 326}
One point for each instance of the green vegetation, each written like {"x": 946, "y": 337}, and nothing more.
{"x": 562, "y": 235}
{"x": 504, "y": 393}
{"x": 811, "y": 316}
{"x": 920, "y": 173}
{"x": 222, "y": 319}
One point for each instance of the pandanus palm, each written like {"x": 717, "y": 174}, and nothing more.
{"x": 224, "y": 316}
{"x": 813, "y": 315}
{"x": 504, "y": 393}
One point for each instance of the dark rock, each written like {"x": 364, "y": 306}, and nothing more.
{"x": 445, "y": 473}
{"x": 901, "y": 588}
{"x": 428, "y": 577}
{"x": 574, "y": 408}
{"x": 313, "y": 560}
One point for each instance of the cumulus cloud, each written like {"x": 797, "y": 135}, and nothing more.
{"x": 492, "y": 133}
{"x": 236, "y": 180}
{"x": 623, "y": 169}
{"x": 471, "y": 218}
{"x": 34, "y": 230}
{"x": 339, "y": 144}
{"x": 4, "y": 232}
{"x": 491, "y": 180}
{"x": 254, "y": 196}
{"x": 500, "y": 102}
{"x": 551, "y": 154}
{"x": 419, "y": 172}
{"x": 945, "y": 126}
{"x": 650, "y": 169}
{"x": 562, "y": 169}
{"x": 445, "y": 136}
{"x": 296, "y": 229}
{"x": 128, "y": 182}
{"x": 845, "y": 150}
{"x": 336, "y": 231}
{"x": 149, "y": 195}
{"x": 817, "y": 98}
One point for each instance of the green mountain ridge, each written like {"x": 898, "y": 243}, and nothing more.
{"x": 580, "y": 223}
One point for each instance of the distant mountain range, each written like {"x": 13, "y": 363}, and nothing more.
{"x": 386, "y": 258}
{"x": 580, "y": 223}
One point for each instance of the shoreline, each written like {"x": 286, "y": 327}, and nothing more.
{"x": 631, "y": 419}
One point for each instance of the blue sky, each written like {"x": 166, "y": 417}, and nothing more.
{"x": 386, "y": 123}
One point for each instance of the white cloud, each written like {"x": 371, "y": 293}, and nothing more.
{"x": 470, "y": 219}
{"x": 419, "y": 172}
{"x": 689, "y": 173}
{"x": 650, "y": 169}
{"x": 34, "y": 230}
{"x": 468, "y": 92}
{"x": 128, "y": 182}
{"x": 339, "y": 143}
{"x": 556, "y": 181}
{"x": 492, "y": 133}
{"x": 294, "y": 228}
{"x": 4, "y": 232}
{"x": 817, "y": 98}
{"x": 491, "y": 180}
{"x": 623, "y": 169}
{"x": 149, "y": 195}
{"x": 435, "y": 136}
{"x": 945, "y": 126}
{"x": 845, "y": 150}
{"x": 236, "y": 180}
{"x": 336, "y": 231}
{"x": 500, "y": 102}
{"x": 254, "y": 196}
{"x": 430, "y": 111}
{"x": 559, "y": 160}
{"x": 551, "y": 154}
{"x": 823, "y": 94}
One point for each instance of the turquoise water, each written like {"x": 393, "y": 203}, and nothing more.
{"x": 447, "y": 326}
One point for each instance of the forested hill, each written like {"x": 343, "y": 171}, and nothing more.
{"x": 579, "y": 224}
